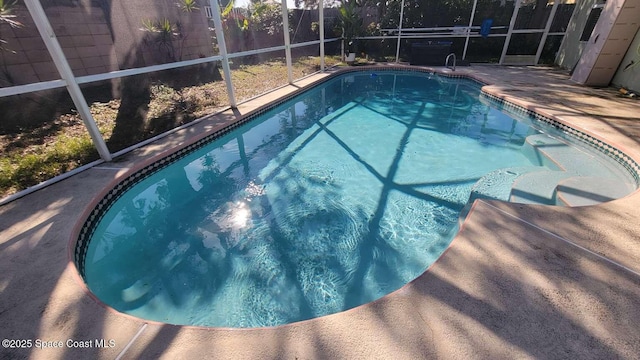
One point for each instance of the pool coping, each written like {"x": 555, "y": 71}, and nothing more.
{"x": 158, "y": 162}
{"x": 148, "y": 339}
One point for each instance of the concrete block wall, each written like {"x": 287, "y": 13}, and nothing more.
{"x": 26, "y": 53}
{"x": 85, "y": 37}
{"x": 96, "y": 36}
{"x": 127, "y": 18}
{"x": 198, "y": 41}
{"x": 83, "y": 34}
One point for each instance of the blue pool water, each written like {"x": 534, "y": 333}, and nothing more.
{"x": 329, "y": 201}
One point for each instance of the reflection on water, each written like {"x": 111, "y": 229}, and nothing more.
{"x": 329, "y": 201}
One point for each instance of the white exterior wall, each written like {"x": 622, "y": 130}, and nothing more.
{"x": 571, "y": 47}
{"x": 630, "y": 79}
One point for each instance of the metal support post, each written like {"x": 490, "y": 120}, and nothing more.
{"x": 466, "y": 41}
{"x": 287, "y": 40}
{"x": 546, "y": 30}
{"x": 48, "y": 36}
{"x": 512, "y": 22}
{"x": 400, "y": 31}
{"x": 222, "y": 46}
{"x": 321, "y": 20}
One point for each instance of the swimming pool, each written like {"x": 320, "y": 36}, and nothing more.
{"x": 328, "y": 201}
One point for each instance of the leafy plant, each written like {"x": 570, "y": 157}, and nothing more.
{"x": 229, "y": 15}
{"x": 351, "y": 23}
{"x": 161, "y": 34}
{"x": 8, "y": 17}
{"x": 148, "y": 25}
{"x": 188, "y": 5}
{"x": 227, "y": 8}
{"x": 6, "y": 13}
{"x": 267, "y": 17}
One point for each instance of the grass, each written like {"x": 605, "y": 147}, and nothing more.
{"x": 61, "y": 144}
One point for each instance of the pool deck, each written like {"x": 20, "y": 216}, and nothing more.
{"x": 518, "y": 281}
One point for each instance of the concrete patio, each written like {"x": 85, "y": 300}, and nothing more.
{"x": 518, "y": 281}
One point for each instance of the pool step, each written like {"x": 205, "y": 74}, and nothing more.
{"x": 580, "y": 178}
{"x": 557, "y": 154}
{"x": 590, "y": 190}
{"x": 537, "y": 187}
{"x": 566, "y": 175}
{"x": 498, "y": 183}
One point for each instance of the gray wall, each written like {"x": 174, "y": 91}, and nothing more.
{"x": 98, "y": 36}
{"x": 83, "y": 34}
{"x": 630, "y": 79}
{"x": 126, "y": 17}
{"x": 571, "y": 48}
